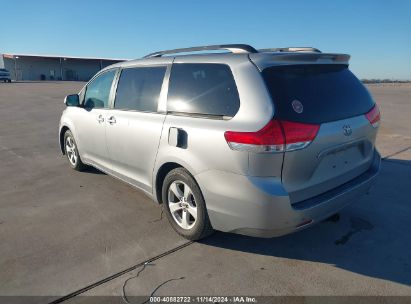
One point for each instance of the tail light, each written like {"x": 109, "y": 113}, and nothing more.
{"x": 374, "y": 116}
{"x": 276, "y": 136}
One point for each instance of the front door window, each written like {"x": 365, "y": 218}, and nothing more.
{"x": 98, "y": 91}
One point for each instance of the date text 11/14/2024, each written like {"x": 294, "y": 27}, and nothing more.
{"x": 203, "y": 299}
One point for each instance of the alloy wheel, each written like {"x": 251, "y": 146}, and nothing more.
{"x": 71, "y": 150}
{"x": 182, "y": 205}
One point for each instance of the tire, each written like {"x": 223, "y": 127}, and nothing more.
{"x": 180, "y": 203}
{"x": 71, "y": 151}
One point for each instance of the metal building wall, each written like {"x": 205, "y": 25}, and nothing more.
{"x": 31, "y": 68}
{"x": 79, "y": 69}
{"x": 34, "y": 68}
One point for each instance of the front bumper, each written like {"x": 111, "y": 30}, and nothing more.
{"x": 260, "y": 206}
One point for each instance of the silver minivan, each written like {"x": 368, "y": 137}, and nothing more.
{"x": 256, "y": 142}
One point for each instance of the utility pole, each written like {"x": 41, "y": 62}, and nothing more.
{"x": 61, "y": 68}
{"x": 15, "y": 67}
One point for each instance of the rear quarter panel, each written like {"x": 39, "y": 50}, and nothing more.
{"x": 206, "y": 147}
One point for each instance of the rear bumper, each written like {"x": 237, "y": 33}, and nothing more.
{"x": 260, "y": 206}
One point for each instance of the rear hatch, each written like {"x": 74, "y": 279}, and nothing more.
{"x": 331, "y": 97}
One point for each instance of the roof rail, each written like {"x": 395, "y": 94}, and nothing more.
{"x": 234, "y": 48}
{"x": 291, "y": 49}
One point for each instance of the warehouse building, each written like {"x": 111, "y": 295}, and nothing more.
{"x": 42, "y": 67}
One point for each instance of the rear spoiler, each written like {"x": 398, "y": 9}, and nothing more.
{"x": 263, "y": 60}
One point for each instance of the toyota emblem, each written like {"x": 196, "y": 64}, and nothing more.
{"x": 297, "y": 106}
{"x": 347, "y": 130}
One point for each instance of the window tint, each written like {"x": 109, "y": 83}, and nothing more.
{"x": 203, "y": 89}
{"x": 139, "y": 88}
{"x": 98, "y": 91}
{"x": 326, "y": 92}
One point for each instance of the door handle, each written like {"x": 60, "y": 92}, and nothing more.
{"x": 177, "y": 138}
{"x": 100, "y": 119}
{"x": 111, "y": 120}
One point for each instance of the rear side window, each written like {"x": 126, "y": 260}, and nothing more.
{"x": 203, "y": 89}
{"x": 316, "y": 93}
{"x": 139, "y": 88}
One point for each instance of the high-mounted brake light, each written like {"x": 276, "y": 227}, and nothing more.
{"x": 374, "y": 116}
{"x": 276, "y": 136}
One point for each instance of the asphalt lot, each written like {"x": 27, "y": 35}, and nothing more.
{"x": 61, "y": 230}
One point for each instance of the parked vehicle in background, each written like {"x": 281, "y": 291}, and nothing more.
{"x": 256, "y": 142}
{"x": 5, "y": 75}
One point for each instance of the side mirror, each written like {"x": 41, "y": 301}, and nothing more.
{"x": 72, "y": 100}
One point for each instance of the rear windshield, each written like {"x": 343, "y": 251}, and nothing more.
{"x": 316, "y": 93}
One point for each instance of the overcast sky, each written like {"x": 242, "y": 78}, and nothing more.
{"x": 377, "y": 34}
